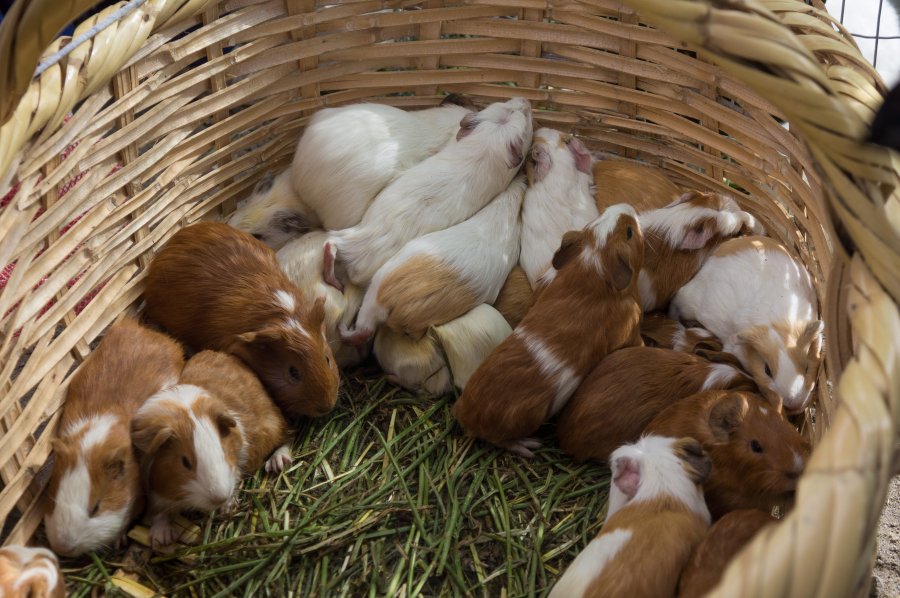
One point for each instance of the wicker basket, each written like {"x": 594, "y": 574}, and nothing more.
{"x": 173, "y": 112}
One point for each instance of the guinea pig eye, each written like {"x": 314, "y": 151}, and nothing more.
{"x": 768, "y": 371}
{"x": 295, "y": 374}
{"x": 96, "y": 509}
{"x": 755, "y": 446}
{"x": 257, "y": 236}
{"x": 186, "y": 463}
{"x": 629, "y": 232}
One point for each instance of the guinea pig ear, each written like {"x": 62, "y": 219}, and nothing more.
{"x": 812, "y": 337}
{"x": 147, "y": 435}
{"x": 538, "y": 166}
{"x": 627, "y": 475}
{"x": 114, "y": 465}
{"x": 291, "y": 221}
{"x": 726, "y": 416}
{"x": 571, "y": 245}
{"x": 225, "y": 424}
{"x": 684, "y": 198}
{"x": 316, "y": 317}
{"x": 467, "y": 125}
{"x": 695, "y": 458}
{"x": 698, "y": 235}
{"x": 516, "y": 155}
{"x": 583, "y": 158}
{"x": 264, "y": 184}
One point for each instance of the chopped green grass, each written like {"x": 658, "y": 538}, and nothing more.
{"x": 385, "y": 496}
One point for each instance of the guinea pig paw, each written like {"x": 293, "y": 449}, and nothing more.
{"x": 230, "y": 505}
{"x": 523, "y": 446}
{"x": 356, "y": 338}
{"x": 280, "y": 459}
{"x": 163, "y": 532}
{"x": 328, "y": 267}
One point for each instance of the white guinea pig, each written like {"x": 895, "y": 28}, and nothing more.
{"x": 344, "y": 158}
{"x": 95, "y": 489}
{"x": 302, "y": 261}
{"x": 441, "y": 191}
{"x": 414, "y": 364}
{"x": 558, "y": 198}
{"x": 469, "y": 339}
{"x": 197, "y": 439}
{"x": 445, "y": 274}
{"x": 761, "y": 303}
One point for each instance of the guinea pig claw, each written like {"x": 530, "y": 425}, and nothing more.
{"x": 163, "y": 531}
{"x": 523, "y": 446}
{"x": 280, "y": 459}
{"x": 328, "y": 267}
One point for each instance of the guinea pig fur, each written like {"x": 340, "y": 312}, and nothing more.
{"x": 30, "y": 573}
{"x": 445, "y": 274}
{"x": 628, "y": 389}
{"x": 656, "y": 516}
{"x": 198, "y": 439}
{"x": 757, "y": 455}
{"x": 724, "y": 540}
{"x": 558, "y": 198}
{"x": 588, "y": 309}
{"x": 302, "y": 261}
{"x": 643, "y": 186}
{"x": 95, "y": 490}
{"x": 441, "y": 191}
{"x": 414, "y": 364}
{"x": 469, "y": 339}
{"x": 760, "y": 301}
{"x": 343, "y": 160}
{"x": 515, "y": 297}
{"x": 659, "y": 331}
{"x": 214, "y": 287}
{"x": 680, "y": 236}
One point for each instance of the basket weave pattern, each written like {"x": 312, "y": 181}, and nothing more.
{"x": 180, "y": 107}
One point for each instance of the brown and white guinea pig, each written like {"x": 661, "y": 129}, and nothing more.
{"x": 443, "y": 190}
{"x": 443, "y": 275}
{"x": 515, "y": 298}
{"x": 724, "y": 540}
{"x": 657, "y": 330}
{"x": 628, "y": 389}
{"x": 343, "y": 160}
{"x": 760, "y": 301}
{"x": 30, "y": 573}
{"x": 214, "y": 287}
{"x": 558, "y": 198}
{"x": 198, "y": 439}
{"x": 302, "y": 261}
{"x": 680, "y": 236}
{"x": 414, "y": 364}
{"x": 656, "y": 516}
{"x": 643, "y": 186}
{"x": 95, "y": 490}
{"x": 757, "y": 454}
{"x": 588, "y": 309}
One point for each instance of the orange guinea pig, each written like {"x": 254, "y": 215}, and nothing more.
{"x": 588, "y": 309}
{"x": 215, "y": 287}
{"x": 515, "y": 298}
{"x": 643, "y": 186}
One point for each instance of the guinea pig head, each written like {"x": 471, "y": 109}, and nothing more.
{"x": 191, "y": 447}
{"x": 94, "y": 489}
{"x": 783, "y": 359}
{"x": 758, "y": 456}
{"x": 553, "y": 152}
{"x": 271, "y": 213}
{"x": 294, "y": 362}
{"x": 504, "y": 126}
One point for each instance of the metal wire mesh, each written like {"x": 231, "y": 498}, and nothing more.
{"x": 875, "y": 24}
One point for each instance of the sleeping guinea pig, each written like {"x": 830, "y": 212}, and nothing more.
{"x": 214, "y": 287}
{"x": 643, "y": 186}
{"x": 95, "y": 490}
{"x": 199, "y": 438}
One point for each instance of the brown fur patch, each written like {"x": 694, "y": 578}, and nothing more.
{"x": 424, "y": 292}
{"x": 644, "y": 187}
{"x": 515, "y": 298}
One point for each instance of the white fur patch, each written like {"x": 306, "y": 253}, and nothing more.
{"x": 551, "y": 368}
{"x": 215, "y": 479}
{"x": 646, "y": 292}
{"x": 99, "y": 430}
{"x": 41, "y": 563}
{"x": 788, "y": 381}
{"x": 604, "y": 226}
{"x": 285, "y": 300}
{"x": 719, "y": 375}
{"x": 590, "y": 563}
{"x": 293, "y": 324}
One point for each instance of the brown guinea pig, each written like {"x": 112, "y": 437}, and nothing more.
{"x": 657, "y": 330}
{"x": 723, "y": 541}
{"x": 199, "y": 438}
{"x": 643, "y": 186}
{"x": 95, "y": 490}
{"x": 30, "y": 573}
{"x": 515, "y": 298}
{"x": 628, "y": 389}
{"x": 757, "y": 454}
{"x": 215, "y": 287}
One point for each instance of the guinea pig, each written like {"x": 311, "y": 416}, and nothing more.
{"x": 198, "y": 439}
{"x": 758, "y": 456}
{"x": 414, "y": 364}
{"x": 724, "y": 540}
{"x": 679, "y": 238}
{"x": 469, "y": 339}
{"x": 587, "y": 309}
{"x": 445, "y": 274}
{"x": 656, "y": 516}
{"x": 30, "y": 573}
{"x": 643, "y": 186}
{"x": 214, "y": 287}
{"x": 302, "y": 261}
{"x": 343, "y": 160}
{"x": 657, "y": 330}
{"x": 95, "y": 491}
{"x": 558, "y": 198}
{"x": 441, "y": 191}
{"x": 628, "y": 389}
{"x": 760, "y": 301}
{"x": 515, "y": 297}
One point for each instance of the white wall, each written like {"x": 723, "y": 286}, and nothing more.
{"x": 860, "y": 18}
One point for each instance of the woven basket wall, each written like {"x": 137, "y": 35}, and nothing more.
{"x": 179, "y": 108}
